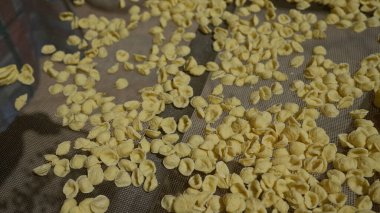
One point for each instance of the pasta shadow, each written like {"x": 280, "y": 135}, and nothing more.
{"x": 12, "y": 143}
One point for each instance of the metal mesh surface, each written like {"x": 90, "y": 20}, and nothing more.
{"x": 36, "y": 131}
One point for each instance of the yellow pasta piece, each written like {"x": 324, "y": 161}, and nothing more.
{"x": 182, "y": 150}
{"x": 79, "y": 2}
{"x": 109, "y": 157}
{"x": 338, "y": 199}
{"x": 48, "y": 49}
{"x": 311, "y": 200}
{"x": 198, "y": 101}
{"x": 55, "y": 89}
{"x": 127, "y": 165}
{"x": 84, "y": 184}
{"x": 123, "y": 179}
{"x": 204, "y": 164}
{"x": 359, "y": 185}
{"x": 113, "y": 69}
{"x": 329, "y": 110}
{"x": 261, "y": 120}
{"x": 213, "y": 113}
{"x": 110, "y": 173}
{"x": 167, "y": 202}
{"x": 73, "y": 40}
{"x": 122, "y": 56}
{"x": 61, "y": 167}
{"x": 26, "y": 76}
{"x": 121, "y": 83}
{"x": 21, "y": 102}
{"x": 265, "y": 93}
{"x": 122, "y": 4}
{"x": 137, "y": 177}
{"x": 100, "y": 204}
{"x": 234, "y": 203}
{"x": 43, "y": 169}
{"x": 168, "y": 125}
{"x": 8, "y": 75}
{"x": 364, "y": 203}
{"x": 150, "y": 183}
{"x": 297, "y": 61}
{"x": 255, "y": 97}
{"x": 63, "y": 148}
{"x": 186, "y": 166}
{"x": 277, "y": 88}
{"x": 71, "y": 188}
{"x": 84, "y": 205}
{"x": 95, "y": 174}
{"x": 180, "y": 101}
{"x": 67, "y": 205}
{"x": 137, "y": 155}
{"x": 171, "y": 161}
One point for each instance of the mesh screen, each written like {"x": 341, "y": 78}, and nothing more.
{"x": 36, "y": 131}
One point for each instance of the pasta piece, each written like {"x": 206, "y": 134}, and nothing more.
{"x": 167, "y": 202}
{"x": 184, "y": 124}
{"x": 100, "y": 204}
{"x": 254, "y": 97}
{"x": 234, "y": 203}
{"x": 213, "y": 113}
{"x": 21, "y": 102}
{"x": 359, "y": 185}
{"x": 71, "y": 188}
{"x": 121, "y": 83}
{"x": 277, "y": 88}
{"x": 364, "y": 203}
{"x": 186, "y": 166}
{"x": 26, "y": 76}
{"x": 63, "y": 148}
{"x": 184, "y": 203}
{"x": 137, "y": 155}
{"x": 42, "y": 170}
{"x": 171, "y": 161}
{"x": 137, "y": 177}
{"x": 265, "y": 93}
{"x": 168, "y": 125}
{"x": 109, "y": 157}
{"x": 150, "y": 183}
{"x": 113, "y": 69}
{"x": 311, "y": 200}
{"x": 123, "y": 179}
{"x": 297, "y": 61}
{"x": 110, "y": 173}
{"x": 122, "y": 56}
{"x": 329, "y": 110}
{"x": 67, "y": 205}
{"x": 48, "y": 49}
{"x": 61, "y": 167}
{"x": 84, "y": 184}
{"x": 84, "y": 205}
{"x": 127, "y": 165}
{"x": 95, "y": 174}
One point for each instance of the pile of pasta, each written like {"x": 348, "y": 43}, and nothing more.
{"x": 281, "y": 150}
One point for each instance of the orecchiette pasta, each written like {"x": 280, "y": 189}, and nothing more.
{"x": 186, "y": 166}
{"x": 71, "y": 188}
{"x": 84, "y": 184}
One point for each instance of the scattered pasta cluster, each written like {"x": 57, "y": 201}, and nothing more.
{"x": 281, "y": 150}
{"x": 10, "y": 74}
{"x": 331, "y": 85}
